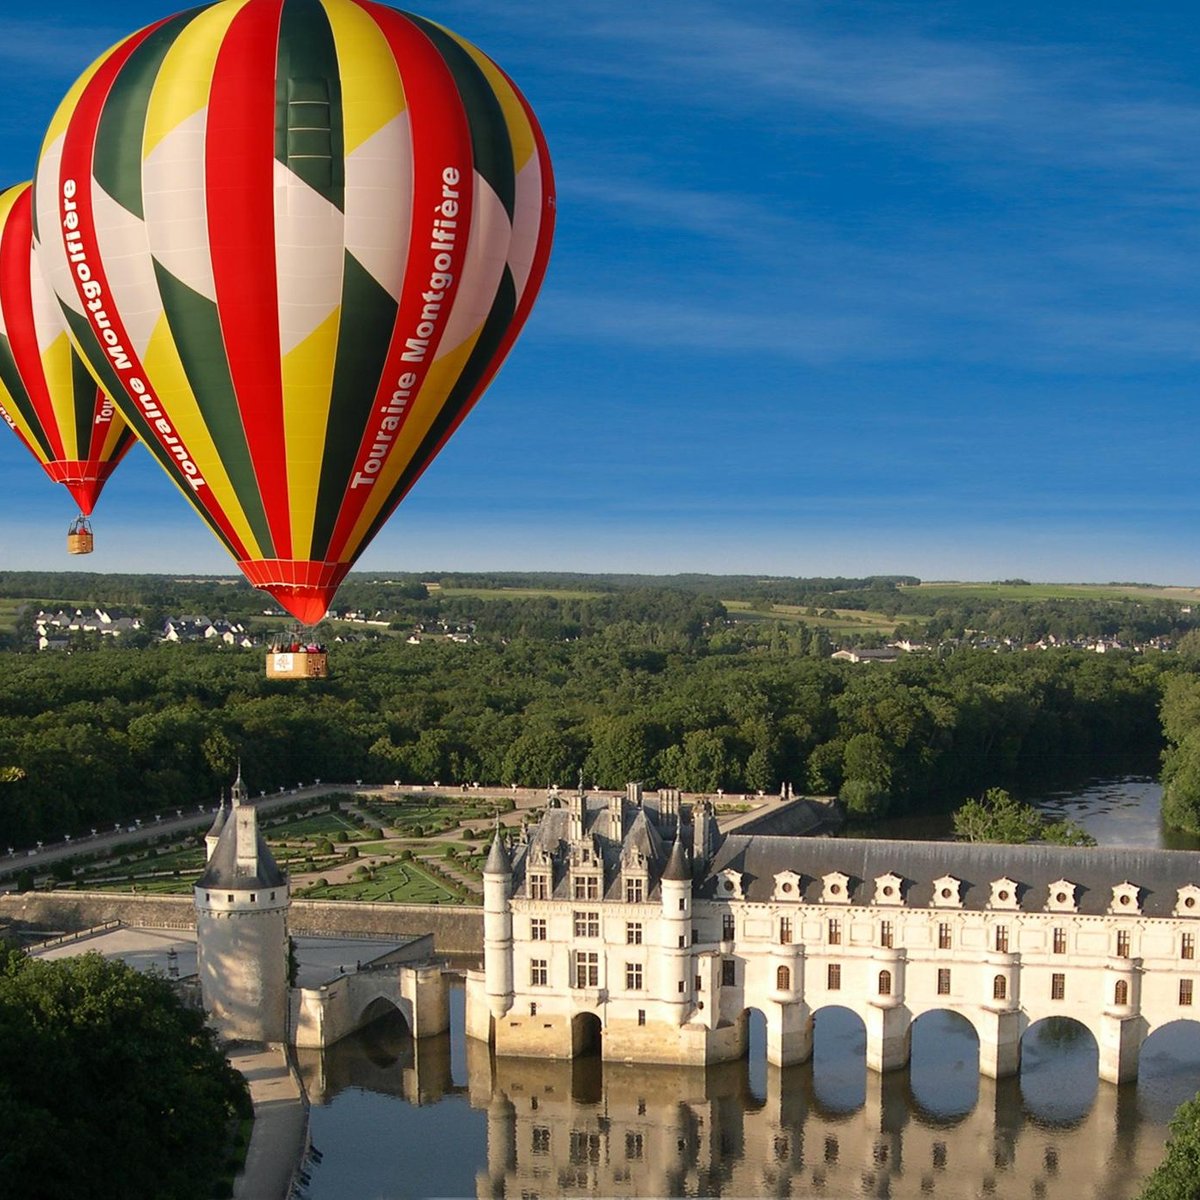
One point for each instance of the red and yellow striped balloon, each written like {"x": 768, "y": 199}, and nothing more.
{"x": 297, "y": 238}
{"x": 47, "y": 395}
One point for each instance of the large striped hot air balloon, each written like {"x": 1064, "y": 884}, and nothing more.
{"x": 297, "y": 238}
{"x": 47, "y": 395}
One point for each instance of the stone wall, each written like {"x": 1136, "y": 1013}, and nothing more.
{"x": 456, "y": 929}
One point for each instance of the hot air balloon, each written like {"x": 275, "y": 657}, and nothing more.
{"x": 297, "y": 238}
{"x": 47, "y": 395}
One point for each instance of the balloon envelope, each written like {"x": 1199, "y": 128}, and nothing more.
{"x": 47, "y": 394}
{"x": 298, "y": 238}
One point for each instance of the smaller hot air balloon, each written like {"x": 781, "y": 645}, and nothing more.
{"x": 47, "y": 395}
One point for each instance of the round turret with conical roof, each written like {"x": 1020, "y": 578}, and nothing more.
{"x": 241, "y": 905}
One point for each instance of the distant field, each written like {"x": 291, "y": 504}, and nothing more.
{"x": 515, "y": 593}
{"x": 845, "y": 620}
{"x": 1061, "y": 591}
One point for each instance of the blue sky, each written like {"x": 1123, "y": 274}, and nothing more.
{"x": 836, "y": 288}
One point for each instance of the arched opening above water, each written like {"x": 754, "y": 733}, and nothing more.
{"x": 586, "y": 1035}
{"x": 381, "y": 1009}
{"x": 385, "y": 1035}
{"x": 839, "y": 1059}
{"x": 1168, "y": 1069}
{"x": 943, "y": 1070}
{"x": 1060, "y": 1064}
{"x": 755, "y": 1038}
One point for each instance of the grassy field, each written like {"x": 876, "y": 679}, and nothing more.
{"x": 404, "y": 883}
{"x": 1061, "y": 591}
{"x": 843, "y": 620}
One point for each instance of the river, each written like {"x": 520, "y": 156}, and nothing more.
{"x": 394, "y": 1118}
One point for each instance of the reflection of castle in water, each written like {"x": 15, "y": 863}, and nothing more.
{"x": 579, "y": 1127}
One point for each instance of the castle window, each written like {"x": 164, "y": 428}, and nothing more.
{"x": 635, "y": 891}
{"x": 999, "y": 988}
{"x": 641, "y": 1016}
{"x": 633, "y": 977}
{"x": 783, "y": 979}
{"x": 537, "y": 929}
{"x": 539, "y": 887}
{"x": 835, "y": 931}
{"x": 944, "y": 942}
{"x": 1058, "y": 986}
{"x": 1001, "y": 939}
{"x": 587, "y": 969}
{"x": 728, "y": 931}
{"x": 943, "y": 984}
{"x": 1060, "y": 940}
{"x": 272, "y": 895}
{"x": 833, "y": 977}
{"x": 633, "y": 933}
{"x": 253, "y": 897}
{"x": 728, "y": 972}
{"x": 634, "y": 1146}
{"x": 1123, "y": 943}
{"x": 885, "y": 934}
{"x": 885, "y": 983}
{"x": 541, "y": 1139}
{"x": 1185, "y": 992}
{"x": 533, "y": 1010}
{"x": 229, "y": 898}
{"x": 1187, "y": 946}
{"x": 1121, "y": 992}
{"x": 587, "y": 887}
{"x": 587, "y": 924}
{"x": 538, "y": 973}
{"x": 785, "y": 931}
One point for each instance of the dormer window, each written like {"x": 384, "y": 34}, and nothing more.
{"x": 788, "y": 886}
{"x": 835, "y": 888}
{"x": 1187, "y": 902}
{"x": 1004, "y": 893}
{"x": 538, "y": 884}
{"x": 729, "y": 885}
{"x": 888, "y": 889}
{"x": 1060, "y": 896}
{"x": 1126, "y": 898}
{"x": 947, "y": 892}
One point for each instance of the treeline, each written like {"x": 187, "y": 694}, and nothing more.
{"x": 671, "y": 698}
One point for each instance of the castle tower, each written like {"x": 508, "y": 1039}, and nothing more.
{"x": 241, "y": 931}
{"x": 497, "y": 928}
{"x": 214, "y": 834}
{"x": 676, "y": 981}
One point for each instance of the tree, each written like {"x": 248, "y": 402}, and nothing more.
{"x": 1177, "y": 1177}
{"x": 109, "y": 1087}
{"x": 999, "y": 817}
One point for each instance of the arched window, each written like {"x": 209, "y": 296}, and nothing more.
{"x": 885, "y": 983}
{"x": 999, "y": 988}
{"x": 1121, "y": 992}
{"x": 783, "y": 979}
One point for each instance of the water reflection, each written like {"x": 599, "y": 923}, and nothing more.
{"x": 392, "y": 1121}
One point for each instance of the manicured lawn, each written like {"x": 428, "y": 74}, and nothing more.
{"x": 403, "y": 883}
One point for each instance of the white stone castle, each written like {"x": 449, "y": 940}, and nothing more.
{"x": 628, "y": 923}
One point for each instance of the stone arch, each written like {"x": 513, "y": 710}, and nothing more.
{"x": 1060, "y": 1058}
{"x": 378, "y": 1008}
{"x": 753, "y": 1037}
{"x": 943, "y": 1066}
{"x": 586, "y": 1035}
{"x": 1169, "y": 1067}
{"x": 839, "y": 1067}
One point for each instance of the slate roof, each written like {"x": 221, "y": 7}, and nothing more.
{"x": 222, "y": 873}
{"x": 1158, "y": 873}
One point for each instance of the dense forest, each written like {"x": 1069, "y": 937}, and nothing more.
{"x": 629, "y": 683}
